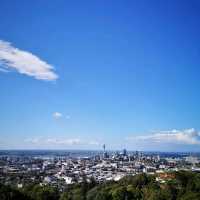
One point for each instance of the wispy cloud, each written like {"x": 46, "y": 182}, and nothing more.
{"x": 60, "y": 142}
{"x": 24, "y": 62}
{"x": 72, "y": 141}
{"x": 187, "y": 136}
{"x": 32, "y": 140}
{"x": 57, "y": 115}
{"x": 3, "y": 70}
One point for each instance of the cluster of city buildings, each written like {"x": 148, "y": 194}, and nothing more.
{"x": 104, "y": 166}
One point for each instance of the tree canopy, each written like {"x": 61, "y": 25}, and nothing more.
{"x": 184, "y": 186}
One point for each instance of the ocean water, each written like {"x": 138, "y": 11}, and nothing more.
{"x": 50, "y": 153}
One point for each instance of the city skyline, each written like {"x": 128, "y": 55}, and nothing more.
{"x": 77, "y": 75}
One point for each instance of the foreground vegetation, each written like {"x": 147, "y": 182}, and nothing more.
{"x": 185, "y": 186}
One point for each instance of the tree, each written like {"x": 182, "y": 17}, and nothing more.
{"x": 8, "y": 193}
{"x": 119, "y": 193}
{"x": 43, "y": 193}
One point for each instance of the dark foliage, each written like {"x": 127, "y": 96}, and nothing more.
{"x": 185, "y": 186}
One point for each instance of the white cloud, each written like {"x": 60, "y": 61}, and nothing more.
{"x": 187, "y": 136}
{"x": 25, "y": 62}
{"x": 32, "y": 140}
{"x": 57, "y": 115}
{"x": 60, "y": 142}
{"x": 73, "y": 141}
{"x": 93, "y": 142}
{"x": 3, "y": 70}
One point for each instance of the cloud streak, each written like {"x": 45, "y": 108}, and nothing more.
{"x": 60, "y": 142}
{"x": 24, "y": 62}
{"x": 187, "y": 137}
{"x": 57, "y": 115}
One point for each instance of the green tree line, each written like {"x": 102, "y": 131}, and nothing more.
{"x": 185, "y": 186}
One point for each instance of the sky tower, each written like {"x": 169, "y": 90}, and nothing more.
{"x": 105, "y": 154}
{"x": 104, "y": 147}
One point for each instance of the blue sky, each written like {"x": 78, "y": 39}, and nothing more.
{"x": 77, "y": 74}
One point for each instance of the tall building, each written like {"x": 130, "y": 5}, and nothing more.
{"x": 124, "y": 152}
{"x": 105, "y": 154}
{"x": 104, "y": 147}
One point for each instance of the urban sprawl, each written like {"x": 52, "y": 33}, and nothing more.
{"x": 59, "y": 171}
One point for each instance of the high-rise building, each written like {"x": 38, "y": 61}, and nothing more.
{"x": 124, "y": 152}
{"x": 105, "y": 154}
